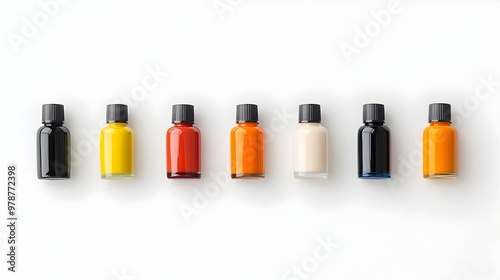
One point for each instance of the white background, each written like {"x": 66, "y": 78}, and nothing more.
{"x": 277, "y": 54}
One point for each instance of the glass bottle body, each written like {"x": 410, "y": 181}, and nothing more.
{"x": 310, "y": 151}
{"x": 247, "y": 151}
{"x": 440, "y": 151}
{"x": 183, "y": 146}
{"x": 53, "y": 152}
{"x": 374, "y": 151}
{"x": 117, "y": 151}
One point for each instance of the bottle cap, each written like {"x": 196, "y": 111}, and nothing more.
{"x": 373, "y": 112}
{"x": 183, "y": 113}
{"x": 439, "y": 112}
{"x": 309, "y": 113}
{"x": 117, "y": 113}
{"x": 247, "y": 113}
{"x": 52, "y": 113}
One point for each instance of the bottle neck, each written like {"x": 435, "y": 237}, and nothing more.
{"x": 310, "y": 123}
{"x": 440, "y": 123}
{"x": 373, "y": 123}
{"x": 248, "y": 124}
{"x": 52, "y": 124}
{"x": 183, "y": 124}
{"x": 120, "y": 124}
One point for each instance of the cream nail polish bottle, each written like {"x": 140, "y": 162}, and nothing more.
{"x": 310, "y": 144}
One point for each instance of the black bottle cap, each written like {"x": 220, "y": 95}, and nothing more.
{"x": 439, "y": 112}
{"x": 183, "y": 113}
{"x": 52, "y": 113}
{"x": 373, "y": 112}
{"x": 309, "y": 113}
{"x": 247, "y": 113}
{"x": 117, "y": 113}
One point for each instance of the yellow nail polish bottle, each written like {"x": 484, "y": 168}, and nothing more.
{"x": 117, "y": 145}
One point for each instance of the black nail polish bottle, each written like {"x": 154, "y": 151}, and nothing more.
{"x": 53, "y": 144}
{"x": 373, "y": 144}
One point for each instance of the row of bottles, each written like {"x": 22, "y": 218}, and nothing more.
{"x": 310, "y": 144}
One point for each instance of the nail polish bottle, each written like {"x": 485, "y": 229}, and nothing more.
{"x": 247, "y": 144}
{"x": 117, "y": 144}
{"x": 374, "y": 144}
{"x": 440, "y": 144}
{"x": 183, "y": 144}
{"x": 310, "y": 144}
{"x": 53, "y": 144}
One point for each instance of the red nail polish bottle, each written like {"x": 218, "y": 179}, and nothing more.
{"x": 183, "y": 144}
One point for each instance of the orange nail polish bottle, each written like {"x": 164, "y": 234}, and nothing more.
{"x": 247, "y": 144}
{"x": 440, "y": 144}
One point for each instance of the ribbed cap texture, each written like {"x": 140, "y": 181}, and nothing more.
{"x": 247, "y": 113}
{"x": 183, "y": 113}
{"x": 117, "y": 113}
{"x": 439, "y": 112}
{"x": 309, "y": 113}
{"x": 52, "y": 113}
{"x": 373, "y": 113}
